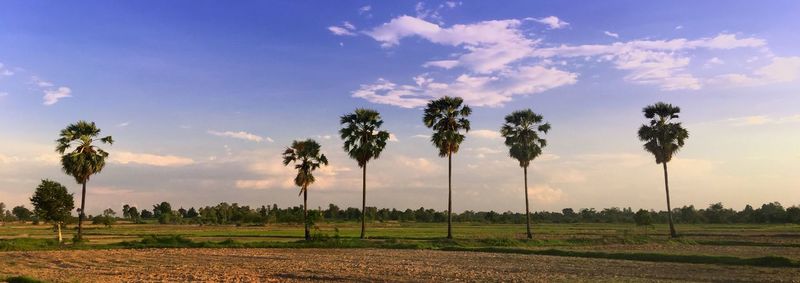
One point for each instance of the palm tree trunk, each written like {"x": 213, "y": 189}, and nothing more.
{"x": 60, "y": 238}
{"x": 363, "y": 201}
{"x": 305, "y": 212}
{"x": 449, "y": 195}
{"x": 82, "y": 215}
{"x": 672, "y": 232}
{"x": 527, "y": 209}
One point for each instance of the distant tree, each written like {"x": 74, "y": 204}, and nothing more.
{"x": 80, "y": 158}
{"x": 793, "y": 214}
{"x": 22, "y": 213}
{"x": 523, "y": 131}
{"x": 125, "y": 211}
{"x": 663, "y": 138}
{"x": 108, "y": 218}
{"x": 643, "y": 218}
{"x": 447, "y": 117}
{"x": 192, "y": 213}
{"x": 363, "y": 141}
{"x": 52, "y": 203}
{"x": 182, "y": 212}
{"x": 146, "y": 214}
{"x": 2, "y": 213}
{"x": 134, "y": 216}
{"x": 163, "y": 212}
{"x": 306, "y": 157}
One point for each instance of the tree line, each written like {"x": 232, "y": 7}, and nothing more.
{"x": 235, "y": 214}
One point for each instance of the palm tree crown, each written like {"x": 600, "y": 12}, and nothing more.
{"x": 662, "y": 137}
{"x": 307, "y": 158}
{"x": 80, "y": 157}
{"x": 446, "y": 116}
{"x": 521, "y": 131}
{"x": 363, "y": 139}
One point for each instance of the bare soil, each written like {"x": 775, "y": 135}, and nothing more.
{"x": 292, "y": 265}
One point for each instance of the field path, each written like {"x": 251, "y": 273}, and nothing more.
{"x": 259, "y": 265}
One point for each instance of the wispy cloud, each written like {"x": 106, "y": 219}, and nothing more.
{"x": 125, "y": 157}
{"x": 345, "y": 29}
{"x": 52, "y": 96}
{"x": 552, "y": 22}
{"x": 242, "y": 135}
{"x": 485, "y": 134}
{"x": 763, "y": 120}
{"x": 611, "y": 34}
{"x": 779, "y": 70}
{"x": 5, "y": 71}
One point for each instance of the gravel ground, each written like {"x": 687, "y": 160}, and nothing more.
{"x": 259, "y": 265}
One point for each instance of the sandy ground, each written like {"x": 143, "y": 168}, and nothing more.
{"x": 259, "y": 265}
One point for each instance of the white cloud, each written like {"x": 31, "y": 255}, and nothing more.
{"x": 499, "y": 61}
{"x": 780, "y": 70}
{"x": 678, "y": 27}
{"x": 364, "y": 9}
{"x": 340, "y": 31}
{"x": 545, "y": 194}
{"x": 476, "y": 90}
{"x": 124, "y": 157}
{"x": 123, "y": 124}
{"x": 40, "y": 82}
{"x": 489, "y": 45}
{"x": 713, "y": 61}
{"x": 611, "y": 34}
{"x": 485, "y": 134}
{"x": 242, "y": 135}
{"x": 421, "y": 136}
{"x": 552, "y": 22}
{"x": 51, "y": 96}
{"x": 763, "y": 120}
{"x": 393, "y": 138}
{"x": 5, "y": 71}
{"x": 3, "y": 94}
{"x": 653, "y": 62}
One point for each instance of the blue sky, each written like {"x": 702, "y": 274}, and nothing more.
{"x": 201, "y": 97}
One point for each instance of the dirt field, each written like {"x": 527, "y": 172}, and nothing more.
{"x": 252, "y": 265}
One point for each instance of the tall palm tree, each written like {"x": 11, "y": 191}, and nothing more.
{"x": 80, "y": 158}
{"x": 363, "y": 141}
{"x": 522, "y": 131}
{"x": 663, "y": 138}
{"x": 306, "y": 157}
{"x": 447, "y": 116}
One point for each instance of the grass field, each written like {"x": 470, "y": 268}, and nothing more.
{"x": 747, "y": 246}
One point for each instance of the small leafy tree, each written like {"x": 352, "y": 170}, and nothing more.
{"x": 22, "y": 213}
{"x": 643, "y": 219}
{"x": 52, "y": 203}
{"x": 108, "y": 218}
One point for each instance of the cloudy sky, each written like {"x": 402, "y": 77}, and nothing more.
{"x": 202, "y": 96}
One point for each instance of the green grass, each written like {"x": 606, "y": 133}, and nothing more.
{"x": 588, "y": 240}
{"x": 21, "y": 279}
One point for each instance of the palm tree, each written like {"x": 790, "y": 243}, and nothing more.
{"x": 80, "y": 158}
{"x": 447, "y": 116}
{"x": 363, "y": 141}
{"x": 307, "y": 158}
{"x": 663, "y": 138}
{"x": 522, "y": 132}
